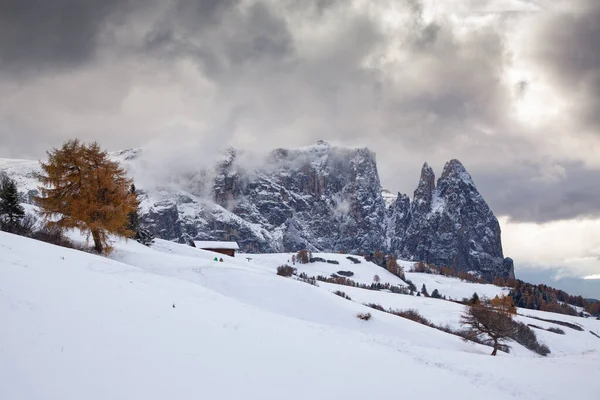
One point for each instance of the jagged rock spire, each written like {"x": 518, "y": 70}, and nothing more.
{"x": 424, "y": 192}
{"x": 452, "y": 225}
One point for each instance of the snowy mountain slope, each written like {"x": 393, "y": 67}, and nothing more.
{"x": 322, "y": 198}
{"x": 76, "y": 325}
{"x": 363, "y": 272}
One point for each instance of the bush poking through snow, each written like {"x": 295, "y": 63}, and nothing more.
{"x": 311, "y": 280}
{"x": 340, "y": 280}
{"x": 364, "y": 316}
{"x": 375, "y": 306}
{"x": 346, "y": 273}
{"x": 286, "y": 270}
{"x": 353, "y": 259}
{"x": 53, "y": 235}
{"x": 556, "y": 330}
{"x": 333, "y": 262}
{"x": 342, "y": 294}
{"x": 413, "y": 315}
{"x": 524, "y": 335}
{"x": 563, "y": 323}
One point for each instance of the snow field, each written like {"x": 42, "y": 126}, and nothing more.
{"x": 75, "y": 325}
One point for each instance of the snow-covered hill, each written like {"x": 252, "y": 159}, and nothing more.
{"x": 169, "y": 322}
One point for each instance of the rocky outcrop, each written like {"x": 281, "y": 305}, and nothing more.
{"x": 452, "y": 225}
{"x": 322, "y": 198}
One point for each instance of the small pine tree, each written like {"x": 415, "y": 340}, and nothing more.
{"x": 141, "y": 235}
{"x": 11, "y": 211}
{"x": 436, "y": 294}
{"x": 424, "y": 291}
{"x": 475, "y": 298}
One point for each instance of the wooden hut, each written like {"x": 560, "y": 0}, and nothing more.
{"x": 227, "y": 248}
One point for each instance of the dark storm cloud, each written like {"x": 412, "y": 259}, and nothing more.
{"x": 568, "y": 47}
{"x": 60, "y": 33}
{"x": 533, "y": 193}
{"x": 219, "y": 36}
{"x": 290, "y": 72}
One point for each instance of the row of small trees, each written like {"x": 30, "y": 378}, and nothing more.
{"x": 80, "y": 188}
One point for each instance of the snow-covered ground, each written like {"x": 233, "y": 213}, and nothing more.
{"x": 364, "y": 272}
{"x": 169, "y": 322}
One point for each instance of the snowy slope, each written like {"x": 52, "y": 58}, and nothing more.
{"x": 169, "y": 322}
{"x": 363, "y": 272}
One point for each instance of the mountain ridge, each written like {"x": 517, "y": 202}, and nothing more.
{"x": 322, "y": 198}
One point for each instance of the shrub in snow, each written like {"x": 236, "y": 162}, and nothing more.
{"x": 411, "y": 285}
{"x": 286, "y": 270}
{"x": 333, "y": 262}
{"x": 346, "y": 273}
{"x": 316, "y": 259}
{"x": 524, "y": 335}
{"x": 364, "y": 316}
{"x": 375, "y": 306}
{"x": 413, "y": 315}
{"x": 563, "y": 323}
{"x": 311, "y": 280}
{"x": 436, "y": 294}
{"x": 342, "y": 294}
{"x": 556, "y": 330}
{"x": 53, "y": 235}
{"x": 353, "y": 259}
{"x": 535, "y": 326}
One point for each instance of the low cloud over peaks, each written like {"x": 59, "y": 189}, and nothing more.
{"x": 492, "y": 83}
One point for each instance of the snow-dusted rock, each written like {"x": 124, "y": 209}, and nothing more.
{"x": 321, "y": 197}
{"x": 452, "y": 225}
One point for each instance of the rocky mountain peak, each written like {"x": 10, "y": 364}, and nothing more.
{"x": 452, "y": 225}
{"x": 454, "y": 170}
{"x": 325, "y": 198}
{"x": 424, "y": 193}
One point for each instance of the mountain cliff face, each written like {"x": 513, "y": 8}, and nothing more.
{"x": 323, "y": 198}
{"x": 451, "y": 224}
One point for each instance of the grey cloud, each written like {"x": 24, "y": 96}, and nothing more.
{"x": 287, "y": 73}
{"x": 534, "y": 193}
{"x": 220, "y": 36}
{"x": 39, "y": 34}
{"x": 567, "y": 46}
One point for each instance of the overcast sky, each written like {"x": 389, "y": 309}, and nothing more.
{"x": 509, "y": 87}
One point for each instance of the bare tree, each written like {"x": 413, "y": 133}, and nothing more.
{"x": 484, "y": 320}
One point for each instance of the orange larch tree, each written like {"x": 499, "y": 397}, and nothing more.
{"x": 82, "y": 188}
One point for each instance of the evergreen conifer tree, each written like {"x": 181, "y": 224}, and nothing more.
{"x": 11, "y": 211}
{"x": 141, "y": 235}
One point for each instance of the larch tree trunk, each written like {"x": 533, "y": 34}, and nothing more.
{"x": 98, "y": 245}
